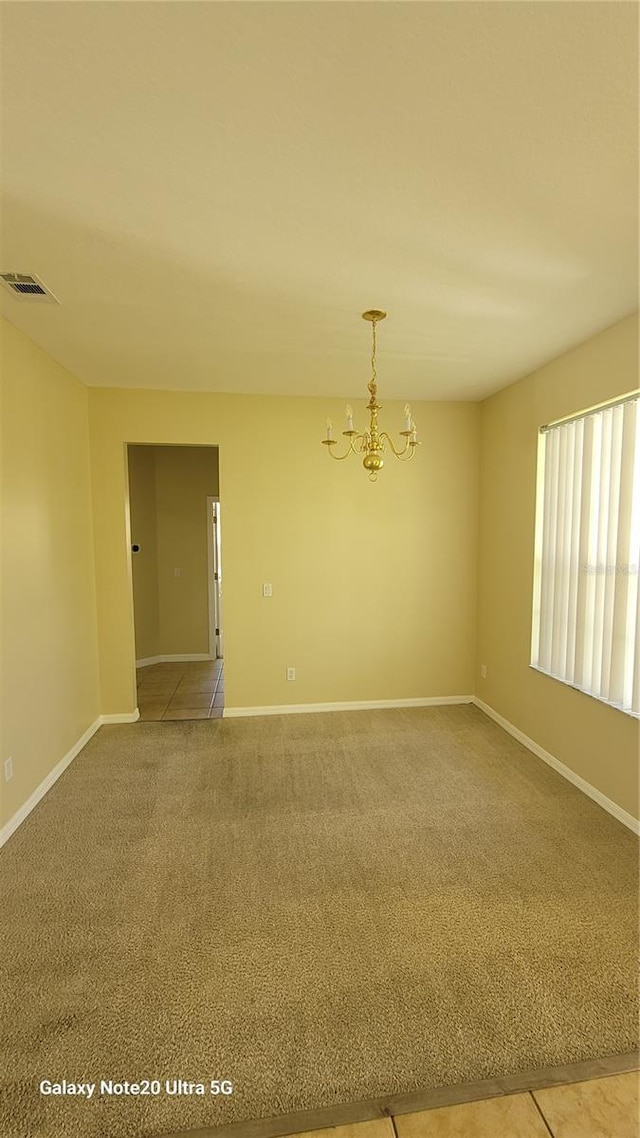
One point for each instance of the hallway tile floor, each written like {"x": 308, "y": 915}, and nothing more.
{"x": 596, "y": 1108}
{"x": 193, "y": 690}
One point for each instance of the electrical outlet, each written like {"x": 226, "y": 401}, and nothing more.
{"x": 177, "y": 572}
{"x": 267, "y": 591}
{"x": 291, "y": 673}
{"x": 483, "y": 671}
{"x": 8, "y": 769}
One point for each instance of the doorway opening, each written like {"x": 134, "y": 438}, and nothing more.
{"x": 176, "y": 569}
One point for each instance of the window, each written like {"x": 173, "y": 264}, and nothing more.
{"x": 586, "y": 611}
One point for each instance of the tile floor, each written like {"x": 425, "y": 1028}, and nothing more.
{"x": 193, "y": 690}
{"x": 598, "y": 1108}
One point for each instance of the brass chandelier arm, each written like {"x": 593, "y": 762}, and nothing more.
{"x": 330, "y": 443}
{"x": 408, "y": 449}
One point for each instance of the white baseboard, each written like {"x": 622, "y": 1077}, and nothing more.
{"x": 607, "y": 803}
{"x": 121, "y": 717}
{"x": 179, "y": 659}
{"x": 18, "y": 818}
{"x": 355, "y": 705}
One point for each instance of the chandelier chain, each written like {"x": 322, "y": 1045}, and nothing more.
{"x": 372, "y": 385}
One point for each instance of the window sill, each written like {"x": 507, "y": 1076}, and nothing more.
{"x": 575, "y": 687}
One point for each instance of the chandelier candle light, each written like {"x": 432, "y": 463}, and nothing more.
{"x": 373, "y": 443}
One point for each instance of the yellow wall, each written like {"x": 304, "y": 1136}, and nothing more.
{"x": 185, "y": 477}
{"x": 373, "y": 586}
{"x": 49, "y": 647}
{"x": 598, "y": 742}
{"x": 144, "y": 564}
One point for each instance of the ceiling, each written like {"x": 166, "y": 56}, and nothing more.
{"x": 216, "y": 191}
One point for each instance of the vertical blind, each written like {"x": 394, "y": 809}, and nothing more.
{"x": 586, "y": 618}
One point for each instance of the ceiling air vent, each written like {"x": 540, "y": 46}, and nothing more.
{"x": 27, "y": 286}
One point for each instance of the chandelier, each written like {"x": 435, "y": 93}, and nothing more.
{"x": 373, "y": 443}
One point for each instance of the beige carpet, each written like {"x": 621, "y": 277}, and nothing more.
{"x": 321, "y": 908}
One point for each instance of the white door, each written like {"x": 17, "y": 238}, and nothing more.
{"x": 215, "y": 580}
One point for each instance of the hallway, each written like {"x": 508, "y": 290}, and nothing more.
{"x": 189, "y": 690}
